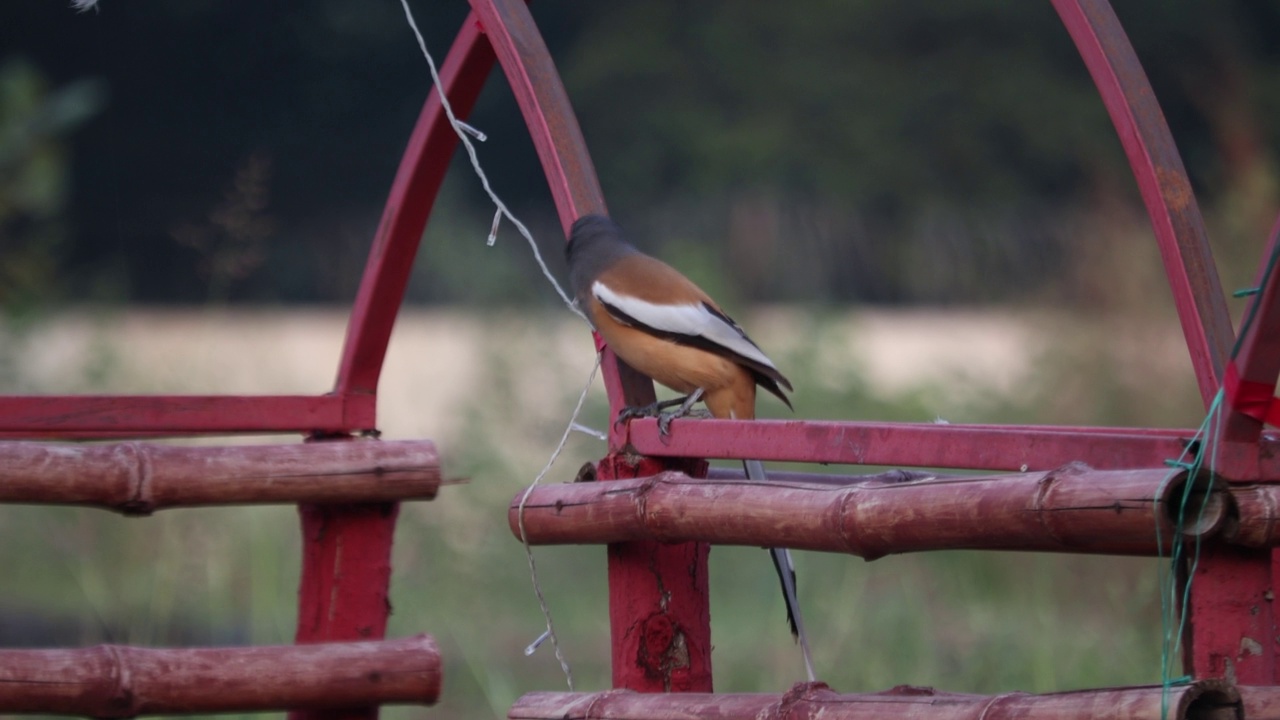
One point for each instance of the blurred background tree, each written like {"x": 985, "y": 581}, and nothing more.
{"x": 825, "y": 151}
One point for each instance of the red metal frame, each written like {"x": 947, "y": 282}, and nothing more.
{"x": 339, "y": 601}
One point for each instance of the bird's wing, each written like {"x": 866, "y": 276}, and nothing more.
{"x": 691, "y": 321}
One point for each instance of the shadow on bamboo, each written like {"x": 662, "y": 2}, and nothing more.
{"x": 1204, "y": 700}
{"x": 114, "y": 681}
{"x": 138, "y": 478}
{"x": 1071, "y": 509}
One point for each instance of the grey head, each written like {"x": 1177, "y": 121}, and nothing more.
{"x": 595, "y": 244}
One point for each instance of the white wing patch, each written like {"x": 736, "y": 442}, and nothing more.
{"x": 693, "y": 320}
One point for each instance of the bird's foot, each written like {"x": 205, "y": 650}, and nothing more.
{"x": 684, "y": 409}
{"x": 653, "y": 409}
{"x": 664, "y": 419}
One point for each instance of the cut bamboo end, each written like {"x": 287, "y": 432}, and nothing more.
{"x": 113, "y": 681}
{"x": 1204, "y": 700}
{"x": 139, "y": 478}
{"x": 1257, "y": 520}
{"x": 1072, "y": 509}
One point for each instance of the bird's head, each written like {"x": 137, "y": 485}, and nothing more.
{"x": 595, "y": 243}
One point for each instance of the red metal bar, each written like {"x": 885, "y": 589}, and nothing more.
{"x": 1162, "y": 179}
{"x": 547, "y": 112}
{"x": 975, "y": 447}
{"x": 346, "y": 567}
{"x": 1250, "y": 381}
{"x": 659, "y": 613}
{"x": 1232, "y": 619}
{"x": 659, "y": 610}
{"x": 413, "y": 193}
{"x": 558, "y": 139}
{"x": 346, "y": 575}
{"x": 68, "y": 416}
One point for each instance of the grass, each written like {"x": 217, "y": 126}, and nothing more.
{"x": 963, "y": 621}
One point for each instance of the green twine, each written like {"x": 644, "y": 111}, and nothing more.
{"x": 1208, "y": 435}
{"x": 1210, "y": 430}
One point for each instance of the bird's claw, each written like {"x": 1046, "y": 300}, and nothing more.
{"x": 683, "y": 408}
{"x": 664, "y": 419}
{"x": 653, "y": 409}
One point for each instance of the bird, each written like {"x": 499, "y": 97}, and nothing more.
{"x": 664, "y": 326}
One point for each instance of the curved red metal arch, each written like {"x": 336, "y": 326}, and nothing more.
{"x": 1162, "y": 179}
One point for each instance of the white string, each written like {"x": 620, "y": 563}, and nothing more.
{"x": 462, "y": 129}
{"x": 465, "y": 132}
{"x": 528, "y": 549}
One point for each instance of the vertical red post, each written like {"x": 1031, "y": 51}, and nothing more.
{"x": 1233, "y": 632}
{"x": 659, "y": 614}
{"x": 346, "y": 577}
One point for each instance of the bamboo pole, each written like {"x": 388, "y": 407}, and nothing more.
{"x": 1260, "y": 701}
{"x": 1257, "y": 521}
{"x": 1072, "y": 509}
{"x": 113, "y": 681}
{"x": 1204, "y": 700}
{"x": 138, "y": 478}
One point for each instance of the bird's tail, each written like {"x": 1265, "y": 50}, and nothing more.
{"x": 787, "y": 575}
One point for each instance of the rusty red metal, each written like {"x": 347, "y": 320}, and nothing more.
{"x": 972, "y": 447}
{"x": 346, "y": 575}
{"x": 1162, "y": 179}
{"x": 1249, "y": 383}
{"x": 532, "y": 75}
{"x": 120, "y": 416}
{"x": 1232, "y": 617}
{"x": 346, "y": 567}
{"x": 413, "y": 193}
{"x": 1232, "y": 627}
{"x": 659, "y": 609}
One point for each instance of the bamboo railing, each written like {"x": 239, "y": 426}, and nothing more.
{"x": 113, "y": 681}
{"x": 1204, "y": 700}
{"x": 1071, "y": 509}
{"x": 139, "y": 478}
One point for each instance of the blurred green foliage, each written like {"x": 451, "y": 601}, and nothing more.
{"x": 822, "y": 151}
{"x": 34, "y": 178}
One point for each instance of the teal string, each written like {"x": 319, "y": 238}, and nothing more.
{"x": 1206, "y": 436}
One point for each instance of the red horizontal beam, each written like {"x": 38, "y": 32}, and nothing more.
{"x": 69, "y": 416}
{"x": 974, "y": 447}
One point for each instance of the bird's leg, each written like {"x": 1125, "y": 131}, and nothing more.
{"x": 653, "y": 409}
{"x": 685, "y": 410}
{"x": 656, "y": 409}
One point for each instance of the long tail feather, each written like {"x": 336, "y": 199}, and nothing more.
{"x": 787, "y": 576}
